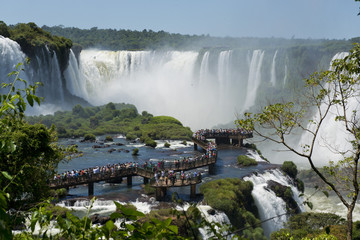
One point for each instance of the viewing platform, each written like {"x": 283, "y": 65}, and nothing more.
{"x": 223, "y": 137}
{"x": 148, "y": 173}
{"x": 116, "y": 172}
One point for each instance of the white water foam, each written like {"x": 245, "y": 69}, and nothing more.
{"x": 219, "y": 217}
{"x": 269, "y": 205}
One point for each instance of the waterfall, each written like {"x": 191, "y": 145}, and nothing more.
{"x": 74, "y": 79}
{"x": 218, "y": 218}
{"x": 201, "y": 90}
{"x": 285, "y": 75}
{"x": 11, "y": 55}
{"x": 204, "y": 68}
{"x": 254, "y": 78}
{"x": 224, "y": 68}
{"x": 268, "y": 204}
{"x": 273, "y": 71}
{"x": 332, "y": 140}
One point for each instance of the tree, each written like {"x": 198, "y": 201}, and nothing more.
{"x": 27, "y": 151}
{"x": 333, "y": 95}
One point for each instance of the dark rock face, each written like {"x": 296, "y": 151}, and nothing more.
{"x": 285, "y": 193}
{"x": 211, "y": 211}
{"x": 97, "y": 219}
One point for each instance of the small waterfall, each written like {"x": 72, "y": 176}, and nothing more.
{"x": 268, "y": 204}
{"x": 273, "y": 70}
{"x": 204, "y": 68}
{"x": 218, "y": 217}
{"x": 224, "y": 68}
{"x": 332, "y": 140}
{"x": 285, "y": 75}
{"x": 74, "y": 79}
{"x": 254, "y": 78}
{"x": 11, "y": 55}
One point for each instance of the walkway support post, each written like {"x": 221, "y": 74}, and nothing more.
{"x": 212, "y": 169}
{"x": 91, "y": 188}
{"x": 146, "y": 180}
{"x": 195, "y": 147}
{"x": 129, "y": 180}
{"x": 192, "y": 190}
{"x": 160, "y": 193}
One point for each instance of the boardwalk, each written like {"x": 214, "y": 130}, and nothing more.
{"x": 118, "y": 172}
{"x": 225, "y": 137}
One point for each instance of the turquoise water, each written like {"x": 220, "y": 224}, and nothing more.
{"x": 225, "y": 167}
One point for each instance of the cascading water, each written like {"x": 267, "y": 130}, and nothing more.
{"x": 269, "y": 205}
{"x": 204, "y": 69}
{"x": 148, "y": 79}
{"x": 273, "y": 71}
{"x": 201, "y": 90}
{"x": 333, "y": 139}
{"x": 11, "y": 55}
{"x": 285, "y": 76}
{"x": 254, "y": 77}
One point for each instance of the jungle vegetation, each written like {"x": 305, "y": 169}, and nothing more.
{"x": 114, "y": 118}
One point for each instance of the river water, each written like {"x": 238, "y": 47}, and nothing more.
{"x": 225, "y": 167}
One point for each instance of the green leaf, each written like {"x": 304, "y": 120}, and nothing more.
{"x": 30, "y": 100}
{"x": 326, "y": 193}
{"x": 167, "y": 222}
{"x": 110, "y": 225}
{"x": 173, "y": 228}
{"x": 6, "y": 174}
{"x": 130, "y": 227}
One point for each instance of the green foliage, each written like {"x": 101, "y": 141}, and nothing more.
{"x": 89, "y": 137}
{"x": 233, "y": 196}
{"x": 290, "y": 169}
{"x": 167, "y": 145}
{"x": 147, "y": 39}
{"x": 114, "y": 118}
{"x": 151, "y": 143}
{"x": 135, "y": 152}
{"x": 26, "y": 151}
{"x": 30, "y": 37}
{"x": 356, "y": 230}
{"x": 109, "y": 139}
{"x": 310, "y": 226}
{"x": 246, "y": 161}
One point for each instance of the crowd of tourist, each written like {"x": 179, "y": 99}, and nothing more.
{"x": 163, "y": 171}
{"x": 102, "y": 170}
{"x": 166, "y": 177}
{"x": 202, "y": 134}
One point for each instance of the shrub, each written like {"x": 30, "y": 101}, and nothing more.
{"x": 89, "y": 137}
{"x": 150, "y": 142}
{"x": 251, "y": 146}
{"x": 300, "y": 185}
{"x": 166, "y": 144}
{"x": 130, "y": 136}
{"x": 109, "y": 139}
{"x": 290, "y": 169}
{"x": 246, "y": 161}
{"x": 135, "y": 152}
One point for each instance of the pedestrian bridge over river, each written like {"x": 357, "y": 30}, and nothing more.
{"x": 148, "y": 173}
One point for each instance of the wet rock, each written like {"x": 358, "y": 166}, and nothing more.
{"x": 211, "y": 211}
{"x": 97, "y": 219}
{"x": 285, "y": 193}
{"x": 111, "y": 150}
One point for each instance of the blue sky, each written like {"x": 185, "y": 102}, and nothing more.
{"x": 330, "y": 19}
